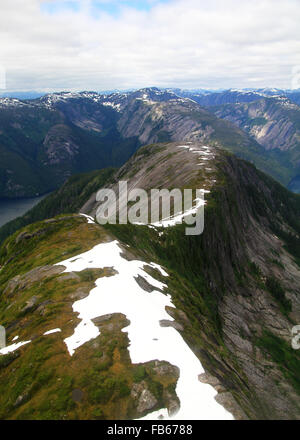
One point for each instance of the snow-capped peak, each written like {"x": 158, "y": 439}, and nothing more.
{"x": 12, "y": 102}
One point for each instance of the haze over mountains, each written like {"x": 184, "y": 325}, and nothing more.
{"x": 45, "y": 140}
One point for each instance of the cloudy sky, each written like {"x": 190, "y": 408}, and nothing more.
{"x": 119, "y": 44}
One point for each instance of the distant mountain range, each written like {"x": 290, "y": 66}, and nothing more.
{"x": 44, "y": 141}
{"x": 294, "y": 95}
{"x": 208, "y": 98}
{"x": 22, "y": 95}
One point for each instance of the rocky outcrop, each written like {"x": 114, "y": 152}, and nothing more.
{"x": 19, "y": 282}
{"x": 59, "y": 145}
{"x": 143, "y": 397}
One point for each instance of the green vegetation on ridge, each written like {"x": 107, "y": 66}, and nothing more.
{"x": 68, "y": 199}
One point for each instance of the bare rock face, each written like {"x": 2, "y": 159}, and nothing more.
{"x": 146, "y": 401}
{"x": 173, "y": 403}
{"x": 144, "y": 284}
{"x": 164, "y": 368}
{"x": 211, "y": 380}
{"x": 11, "y": 286}
{"x": 42, "y": 307}
{"x": 144, "y": 398}
{"x": 30, "y": 304}
{"x": 223, "y": 397}
{"x": 59, "y": 144}
{"x": 21, "y": 399}
{"x": 274, "y": 123}
{"x": 31, "y": 277}
{"x": 69, "y": 276}
{"x": 227, "y": 400}
{"x": 267, "y": 120}
{"x": 111, "y": 321}
{"x": 80, "y": 293}
{"x": 174, "y": 324}
{"x": 101, "y": 319}
{"x": 173, "y": 119}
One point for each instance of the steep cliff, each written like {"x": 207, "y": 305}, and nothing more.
{"x": 275, "y": 124}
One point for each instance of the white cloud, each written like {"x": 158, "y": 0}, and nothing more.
{"x": 186, "y": 43}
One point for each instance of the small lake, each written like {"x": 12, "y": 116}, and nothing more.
{"x": 11, "y": 209}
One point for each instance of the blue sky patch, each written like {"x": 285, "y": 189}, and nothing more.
{"x": 112, "y": 7}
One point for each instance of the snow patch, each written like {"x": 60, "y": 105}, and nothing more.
{"x": 121, "y": 293}
{"x": 55, "y": 330}
{"x": 112, "y": 104}
{"x": 13, "y": 347}
{"x": 89, "y": 218}
{"x": 178, "y": 218}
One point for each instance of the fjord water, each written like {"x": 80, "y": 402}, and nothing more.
{"x": 11, "y": 209}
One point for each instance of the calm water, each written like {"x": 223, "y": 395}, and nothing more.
{"x": 10, "y": 209}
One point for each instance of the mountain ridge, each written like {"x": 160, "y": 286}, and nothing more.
{"x": 244, "y": 266}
